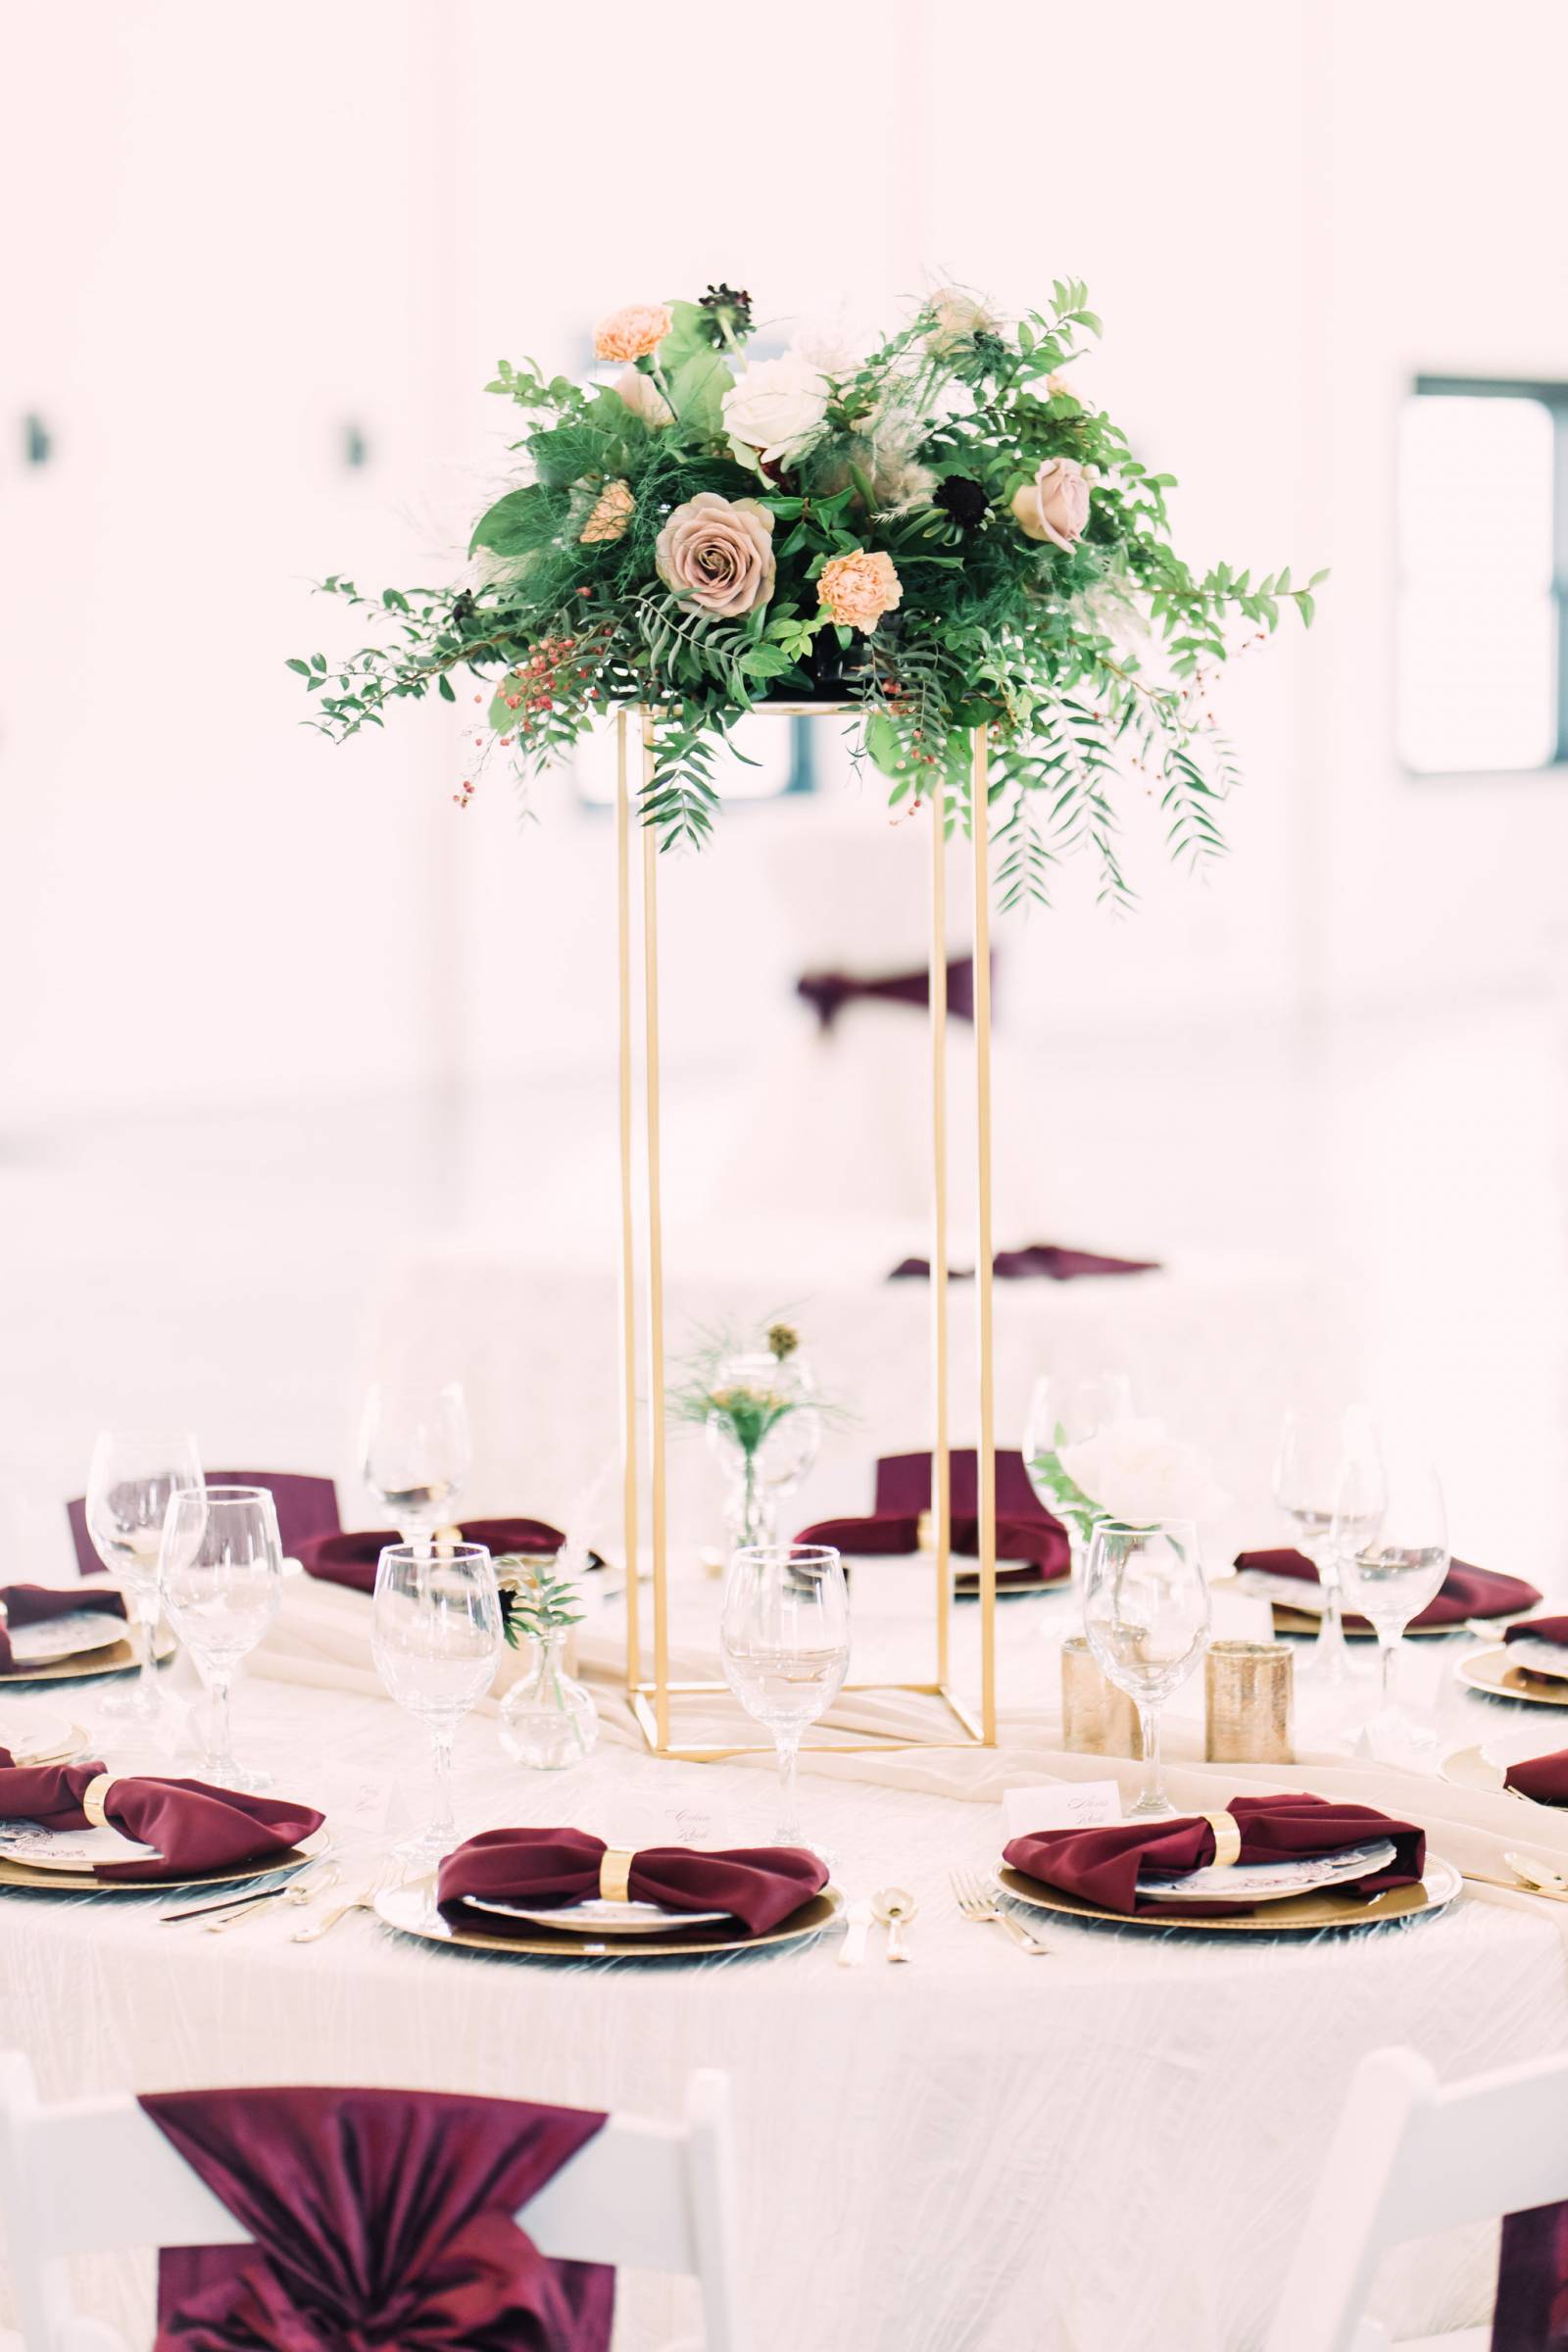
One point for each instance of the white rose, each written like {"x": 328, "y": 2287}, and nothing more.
{"x": 1136, "y": 1473}
{"x": 776, "y": 406}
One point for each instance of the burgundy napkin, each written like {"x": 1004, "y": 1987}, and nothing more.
{"x": 352, "y": 1559}
{"x": 1544, "y": 1778}
{"x": 1046, "y": 1259}
{"x": 194, "y": 1827}
{"x": 1466, "y": 1591}
{"x": 1532, "y": 2308}
{"x": 32, "y": 1604}
{"x": 1026, "y": 1532}
{"x": 379, "y": 2217}
{"x": 828, "y": 993}
{"x": 758, "y": 1884}
{"x": 1103, "y": 1865}
{"x": 1539, "y": 1629}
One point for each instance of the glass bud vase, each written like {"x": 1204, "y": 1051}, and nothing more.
{"x": 548, "y": 1719}
{"x": 766, "y": 1435}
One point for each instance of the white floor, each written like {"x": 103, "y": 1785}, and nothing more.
{"x": 218, "y": 1269}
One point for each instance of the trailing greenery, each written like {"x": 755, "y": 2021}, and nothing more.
{"x": 1012, "y": 565}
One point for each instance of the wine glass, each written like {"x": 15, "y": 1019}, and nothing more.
{"x": 134, "y": 1478}
{"x": 784, "y": 1638}
{"x": 1317, "y": 1454}
{"x": 222, "y": 1567}
{"x": 414, "y": 1452}
{"x": 1391, "y": 1531}
{"x": 1146, "y": 1614}
{"x": 1064, "y": 1412}
{"x": 435, "y": 1630}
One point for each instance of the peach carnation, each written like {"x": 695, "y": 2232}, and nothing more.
{"x": 859, "y": 588}
{"x": 613, "y": 510}
{"x": 630, "y": 333}
{"x": 719, "y": 553}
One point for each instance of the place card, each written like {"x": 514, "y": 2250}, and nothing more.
{"x": 1060, "y": 1805}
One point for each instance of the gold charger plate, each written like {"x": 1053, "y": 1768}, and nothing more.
{"x": 411, "y": 1909}
{"x": 1488, "y": 1670}
{"x": 1473, "y": 1768}
{"x": 74, "y": 1881}
{"x": 1299, "y": 1914}
{"x": 120, "y": 1658}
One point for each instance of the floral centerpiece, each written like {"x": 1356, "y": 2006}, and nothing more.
{"x": 1132, "y": 1471}
{"x": 942, "y": 529}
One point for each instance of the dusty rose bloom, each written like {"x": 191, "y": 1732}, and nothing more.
{"x": 857, "y": 589}
{"x": 627, "y": 334}
{"x": 1055, "y": 505}
{"x": 719, "y": 553}
{"x": 643, "y": 397}
{"x": 613, "y": 510}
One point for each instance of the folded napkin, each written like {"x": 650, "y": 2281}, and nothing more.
{"x": 1048, "y": 1259}
{"x": 194, "y": 1828}
{"x": 1539, "y": 1629}
{"x": 32, "y": 1604}
{"x": 1544, "y": 1778}
{"x": 1466, "y": 1591}
{"x": 352, "y": 1559}
{"x": 1103, "y": 1865}
{"x": 1026, "y": 1532}
{"x": 828, "y": 993}
{"x": 757, "y": 1885}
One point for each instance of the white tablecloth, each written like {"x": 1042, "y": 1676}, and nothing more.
{"x": 1098, "y": 2152}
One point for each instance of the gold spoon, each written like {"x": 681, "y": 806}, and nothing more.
{"x": 895, "y": 1909}
{"x": 1538, "y": 1875}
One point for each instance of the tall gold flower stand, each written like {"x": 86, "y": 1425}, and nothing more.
{"x": 655, "y": 1698}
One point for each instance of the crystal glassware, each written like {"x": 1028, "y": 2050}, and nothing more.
{"x": 435, "y": 1632}
{"x": 548, "y": 1718}
{"x": 1391, "y": 1530}
{"x": 1064, "y": 1411}
{"x": 133, "y": 1479}
{"x": 784, "y": 1638}
{"x": 1146, "y": 1616}
{"x": 221, "y": 1568}
{"x": 1317, "y": 1451}
{"x": 766, "y": 1432}
{"x": 416, "y": 1451}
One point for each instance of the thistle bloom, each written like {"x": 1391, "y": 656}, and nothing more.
{"x": 718, "y": 553}
{"x": 630, "y": 333}
{"x": 613, "y": 510}
{"x": 859, "y": 588}
{"x": 1055, "y": 505}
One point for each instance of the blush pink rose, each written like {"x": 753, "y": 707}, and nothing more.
{"x": 1055, "y": 505}
{"x": 718, "y": 553}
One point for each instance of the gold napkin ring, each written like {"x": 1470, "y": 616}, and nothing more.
{"x": 615, "y": 1874}
{"x": 92, "y": 1800}
{"x": 1227, "y": 1839}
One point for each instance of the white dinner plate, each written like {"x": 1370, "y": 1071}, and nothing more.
{"x": 1268, "y": 1882}
{"x": 1497, "y": 1671}
{"x": 601, "y": 1918}
{"x": 1547, "y": 1659}
{"x": 41, "y": 1739}
{"x": 70, "y": 1637}
{"x": 40, "y": 1848}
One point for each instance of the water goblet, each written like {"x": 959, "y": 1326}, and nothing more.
{"x": 1317, "y": 1454}
{"x": 221, "y": 1569}
{"x": 416, "y": 1451}
{"x": 134, "y": 1478}
{"x": 784, "y": 1639}
{"x": 435, "y": 1632}
{"x": 1392, "y": 1534}
{"x": 1146, "y": 1615}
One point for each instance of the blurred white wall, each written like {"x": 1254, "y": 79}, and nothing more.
{"x": 247, "y": 235}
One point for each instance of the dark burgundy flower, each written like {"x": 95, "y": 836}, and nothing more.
{"x": 964, "y": 499}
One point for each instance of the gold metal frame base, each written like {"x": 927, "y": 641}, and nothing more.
{"x": 644, "y": 1698}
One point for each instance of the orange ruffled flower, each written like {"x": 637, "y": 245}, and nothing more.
{"x": 613, "y": 508}
{"x": 857, "y": 589}
{"x": 630, "y": 333}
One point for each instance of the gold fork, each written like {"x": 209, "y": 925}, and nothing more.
{"x": 977, "y": 1902}
{"x": 389, "y": 1875}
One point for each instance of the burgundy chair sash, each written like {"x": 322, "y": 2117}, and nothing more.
{"x": 828, "y": 993}
{"x": 304, "y": 1506}
{"x": 380, "y": 2219}
{"x": 1532, "y": 2307}
{"x": 1048, "y": 1260}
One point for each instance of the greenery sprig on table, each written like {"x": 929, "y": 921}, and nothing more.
{"x": 535, "y": 1602}
{"x": 944, "y": 529}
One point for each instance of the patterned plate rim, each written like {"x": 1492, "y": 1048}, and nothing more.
{"x": 1303, "y": 1914}
{"x": 122, "y": 1657}
{"x": 18, "y": 1879}
{"x": 1487, "y": 1670}
{"x": 417, "y": 1898}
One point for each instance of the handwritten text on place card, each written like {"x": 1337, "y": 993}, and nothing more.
{"x": 1063, "y": 1806}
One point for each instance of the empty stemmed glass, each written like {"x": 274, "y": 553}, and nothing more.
{"x": 1146, "y": 1614}
{"x": 784, "y": 1638}
{"x": 414, "y": 1452}
{"x": 1064, "y": 1411}
{"x": 221, "y": 1569}
{"x": 134, "y": 1478}
{"x": 435, "y": 1630}
{"x": 1316, "y": 1454}
{"x": 1391, "y": 1530}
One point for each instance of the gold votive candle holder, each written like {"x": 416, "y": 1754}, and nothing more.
{"x": 1248, "y": 1698}
{"x": 1097, "y": 1719}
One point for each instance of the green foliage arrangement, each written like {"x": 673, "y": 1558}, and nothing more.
{"x": 535, "y": 1601}
{"x": 944, "y": 530}
{"x": 745, "y": 1410}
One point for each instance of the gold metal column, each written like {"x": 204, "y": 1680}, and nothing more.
{"x": 628, "y": 1208}
{"x": 940, "y": 1453}
{"x": 656, "y": 1258}
{"x": 986, "y": 1452}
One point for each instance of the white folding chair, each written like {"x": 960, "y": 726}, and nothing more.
{"x": 1410, "y": 2157}
{"x": 640, "y": 2195}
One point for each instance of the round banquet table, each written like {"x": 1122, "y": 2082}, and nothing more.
{"x": 1096, "y": 2152}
